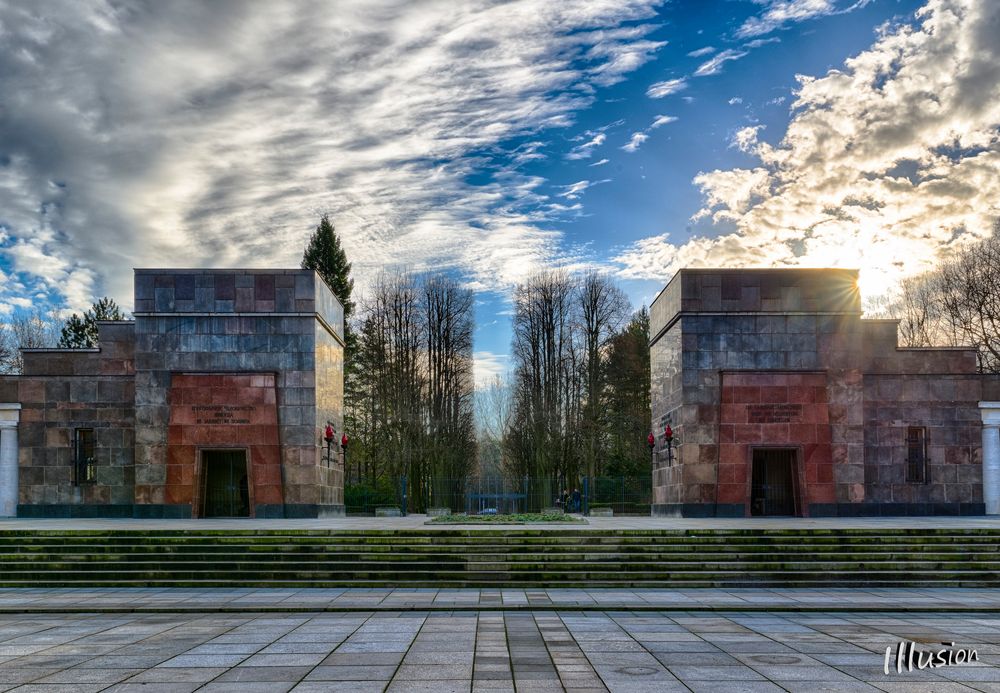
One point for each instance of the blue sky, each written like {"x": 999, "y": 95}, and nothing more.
{"x": 492, "y": 140}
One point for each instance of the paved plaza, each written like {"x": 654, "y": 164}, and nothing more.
{"x": 227, "y": 600}
{"x": 485, "y": 651}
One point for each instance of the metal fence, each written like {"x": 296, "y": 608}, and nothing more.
{"x": 621, "y": 495}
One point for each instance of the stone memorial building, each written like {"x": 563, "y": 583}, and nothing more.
{"x": 782, "y": 400}
{"x": 212, "y": 402}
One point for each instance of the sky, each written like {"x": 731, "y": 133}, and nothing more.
{"x": 492, "y": 140}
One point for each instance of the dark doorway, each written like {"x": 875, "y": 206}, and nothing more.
{"x": 773, "y": 483}
{"x": 226, "y": 488}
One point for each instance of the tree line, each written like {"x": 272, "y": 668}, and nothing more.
{"x": 956, "y": 304}
{"x": 576, "y": 403}
{"x": 580, "y": 387}
{"x": 38, "y": 330}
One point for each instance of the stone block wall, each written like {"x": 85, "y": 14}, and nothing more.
{"x": 329, "y": 378}
{"x": 721, "y": 338}
{"x": 754, "y": 321}
{"x": 946, "y": 406}
{"x": 775, "y": 409}
{"x": 64, "y": 390}
{"x": 234, "y": 321}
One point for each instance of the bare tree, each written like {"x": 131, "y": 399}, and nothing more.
{"x": 540, "y": 443}
{"x": 957, "y": 304}
{"x": 602, "y": 309}
{"x": 390, "y": 417}
{"x": 24, "y": 331}
{"x": 969, "y": 295}
{"x": 413, "y": 410}
{"x": 494, "y": 418}
{"x": 448, "y": 326}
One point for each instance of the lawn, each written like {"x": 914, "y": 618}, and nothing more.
{"x": 512, "y": 519}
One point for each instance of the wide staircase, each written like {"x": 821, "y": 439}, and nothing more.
{"x": 501, "y": 558}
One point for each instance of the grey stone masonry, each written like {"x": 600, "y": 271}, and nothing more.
{"x": 749, "y": 359}
{"x": 241, "y": 321}
{"x": 268, "y": 342}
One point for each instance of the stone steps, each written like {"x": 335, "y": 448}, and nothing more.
{"x": 497, "y": 558}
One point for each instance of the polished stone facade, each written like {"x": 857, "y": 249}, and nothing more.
{"x": 248, "y": 360}
{"x": 750, "y": 360}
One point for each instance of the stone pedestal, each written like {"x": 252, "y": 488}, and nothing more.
{"x": 991, "y": 456}
{"x": 10, "y": 414}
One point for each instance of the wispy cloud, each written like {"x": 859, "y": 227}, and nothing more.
{"x": 635, "y": 141}
{"x": 574, "y": 190}
{"x": 585, "y": 150}
{"x": 701, "y": 51}
{"x": 487, "y": 366}
{"x": 215, "y": 134}
{"x": 662, "y": 120}
{"x": 780, "y": 13}
{"x": 714, "y": 65}
{"x": 666, "y": 88}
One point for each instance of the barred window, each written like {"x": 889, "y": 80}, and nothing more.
{"x": 916, "y": 454}
{"x": 83, "y": 463}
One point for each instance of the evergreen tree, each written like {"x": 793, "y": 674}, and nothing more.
{"x": 627, "y": 406}
{"x": 325, "y": 255}
{"x": 81, "y": 332}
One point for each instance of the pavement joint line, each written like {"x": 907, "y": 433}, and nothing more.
{"x": 361, "y": 608}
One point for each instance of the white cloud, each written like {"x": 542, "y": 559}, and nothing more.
{"x": 600, "y": 163}
{"x": 662, "y": 120}
{"x": 666, "y": 88}
{"x": 757, "y": 43}
{"x": 714, "y": 65}
{"x": 735, "y": 100}
{"x": 888, "y": 163}
{"x": 215, "y": 134}
{"x": 745, "y": 138}
{"x": 701, "y": 51}
{"x": 585, "y": 150}
{"x": 780, "y": 13}
{"x": 620, "y": 51}
{"x": 575, "y": 190}
{"x": 487, "y": 366}
{"x": 636, "y": 140}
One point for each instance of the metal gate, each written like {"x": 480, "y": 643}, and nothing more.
{"x": 226, "y": 487}
{"x": 773, "y": 482}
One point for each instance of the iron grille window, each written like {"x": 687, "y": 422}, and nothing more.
{"x": 84, "y": 462}
{"x": 916, "y": 454}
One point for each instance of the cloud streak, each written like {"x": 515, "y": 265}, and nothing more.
{"x": 666, "y": 88}
{"x": 214, "y": 134}
{"x": 778, "y": 14}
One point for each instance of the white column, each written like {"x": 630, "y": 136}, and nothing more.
{"x": 9, "y": 416}
{"x": 991, "y": 456}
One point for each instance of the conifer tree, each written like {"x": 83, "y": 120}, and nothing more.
{"x": 325, "y": 255}
{"x": 81, "y": 332}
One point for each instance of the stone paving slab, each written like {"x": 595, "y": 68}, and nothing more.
{"x": 241, "y": 600}
{"x": 592, "y": 523}
{"x": 566, "y": 650}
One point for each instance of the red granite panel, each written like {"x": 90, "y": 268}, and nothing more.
{"x": 223, "y": 410}
{"x": 775, "y": 409}
{"x": 734, "y": 413}
{"x": 732, "y": 493}
{"x": 774, "y": 394}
